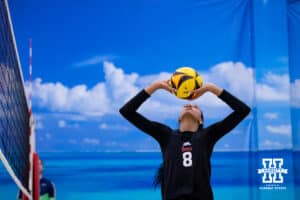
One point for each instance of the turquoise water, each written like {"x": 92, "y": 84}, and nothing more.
{"x": 122, "y": 176}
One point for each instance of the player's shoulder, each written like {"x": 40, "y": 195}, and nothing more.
{"x": 211, "y": 127}
{"x": 162, "y": 127}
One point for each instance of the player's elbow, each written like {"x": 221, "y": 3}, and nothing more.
{"x": 246, "y": 110}
{"x": 124, "y": 111}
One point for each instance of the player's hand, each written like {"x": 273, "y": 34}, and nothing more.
{"x": 160, "y": 84}
{"x": 205, "y": 88}
{"x": 164, "y": 84}
{"x": 200, "y": 91}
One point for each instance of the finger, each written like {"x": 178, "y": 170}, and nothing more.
{"x": 166, "y": 87}
{"x": 167, "y": 82}
{"x": 172, "y": 90}
{"x": 196, "y": 91}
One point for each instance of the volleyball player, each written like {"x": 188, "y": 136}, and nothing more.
{"x": 186, "y": 151}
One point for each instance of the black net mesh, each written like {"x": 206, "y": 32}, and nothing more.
{"x": 14, "y": 118}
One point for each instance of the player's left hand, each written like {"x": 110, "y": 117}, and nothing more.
{"x": 199, "y": 92}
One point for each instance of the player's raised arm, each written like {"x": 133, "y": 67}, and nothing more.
{"x": 240, "y": 110}
{"x": 129, "y": 111}
{"x": 159, "y": 85}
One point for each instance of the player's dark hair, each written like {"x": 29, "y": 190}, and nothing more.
{"x": 202, "y": 117}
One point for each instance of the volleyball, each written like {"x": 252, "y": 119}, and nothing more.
{"x": 185, "y": 80}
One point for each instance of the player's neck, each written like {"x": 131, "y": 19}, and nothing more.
{"x": 188, "y": 124}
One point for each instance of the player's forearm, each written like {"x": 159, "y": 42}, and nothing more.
{"x": 152, "y": 88}
{"x": 129, "y": 109}
{"x": 216, "y": 90}
{"x": 236, "y": 104}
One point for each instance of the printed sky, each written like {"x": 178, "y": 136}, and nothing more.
{"x": 89, "y": 57}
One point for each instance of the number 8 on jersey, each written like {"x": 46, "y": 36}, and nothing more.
{"x": 187, "y": 155}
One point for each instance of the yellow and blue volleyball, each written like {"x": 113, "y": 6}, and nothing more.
{"x": 185, "y": 80}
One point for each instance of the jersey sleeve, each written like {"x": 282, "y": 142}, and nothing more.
{"x": 155, "y": 129}
{"x": 240, "y": 111}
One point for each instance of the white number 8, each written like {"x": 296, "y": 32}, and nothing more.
{"x": 187, "y": 159}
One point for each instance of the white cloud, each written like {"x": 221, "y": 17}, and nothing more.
{"x": 284, "y": 129}
{"x": 271, "y": 144}
{"x": 79, "y": 99}
{"x": 103, "y": 126}
{"x": 93, "y": 61}
{"x": 235, "y": 77}
{"x": 74, "y": 117}
{"x": 111, "y": 127}
{"x": 273, "y": 88}
{"x": 271, "y": 115}
{"x": 121, "y": 86}
{"x": 61, "y": 123}
{"x": 268, "y": 144}
{"x": 295, "y": 93}
{"x": 65, "y": 124}
{"x": 107, "y": 97}
{"x": 91, "y": 141}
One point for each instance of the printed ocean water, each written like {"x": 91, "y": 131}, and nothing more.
{"x": 129, "y": 176}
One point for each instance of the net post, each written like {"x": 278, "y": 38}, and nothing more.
{"x": 24, "y": 197}
{"x": 31, "y": 126}
{"x": 36, "y": 178}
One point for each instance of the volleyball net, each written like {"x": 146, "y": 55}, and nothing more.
{"x": 17, "y": 143}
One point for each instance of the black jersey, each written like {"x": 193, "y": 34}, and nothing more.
{"x": 186, "y": 155}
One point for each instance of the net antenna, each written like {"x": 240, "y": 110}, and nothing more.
{"x": 17, "y": 135}
{"x": 34, "y": 179}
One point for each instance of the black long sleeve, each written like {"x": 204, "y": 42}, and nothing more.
{"x": 240, "y": 111}
{"x": 129, "y": 111}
